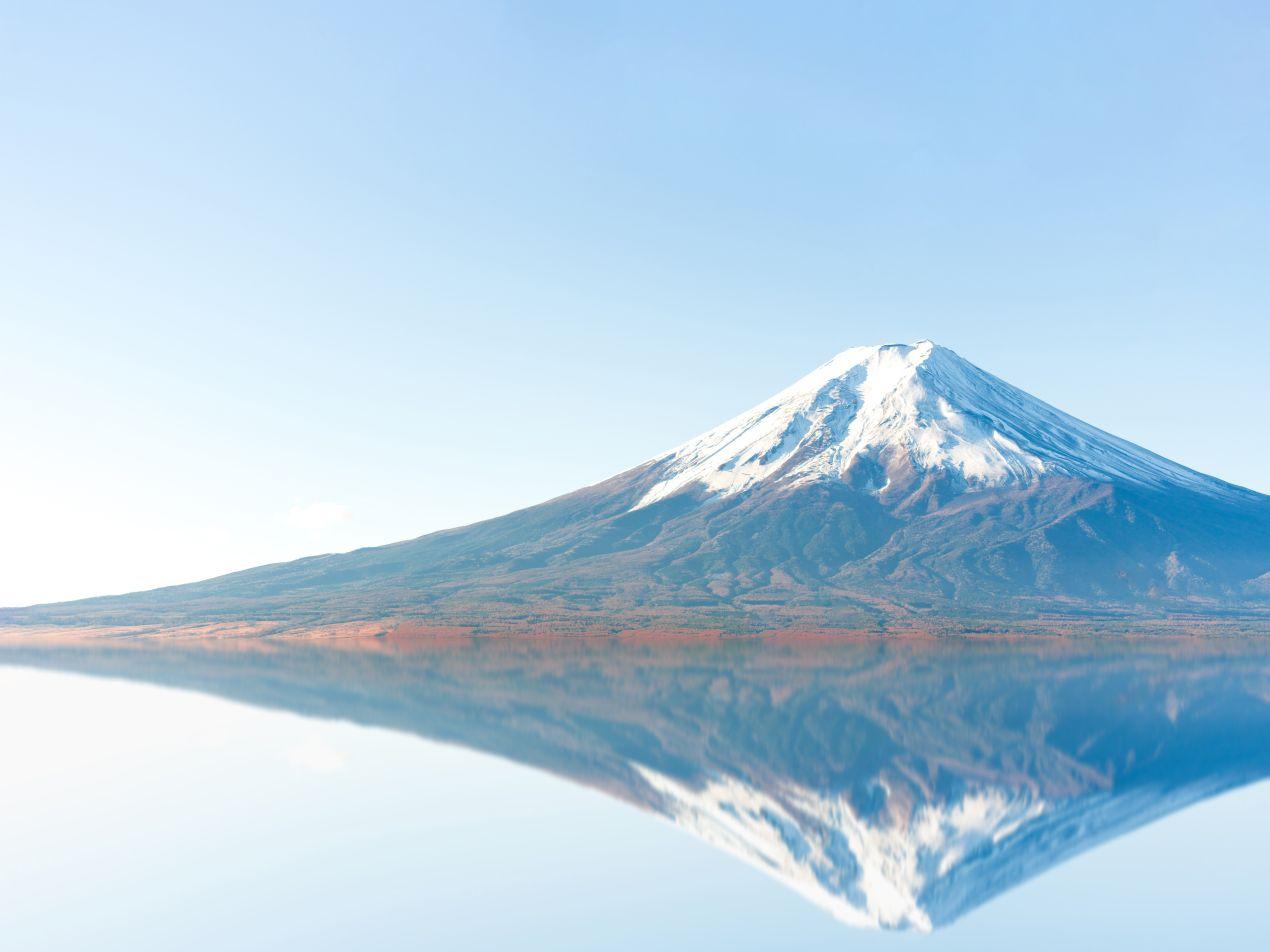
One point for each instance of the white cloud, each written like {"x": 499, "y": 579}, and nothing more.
{"x": 319, "y": 515}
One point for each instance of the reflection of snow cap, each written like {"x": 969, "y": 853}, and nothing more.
{"x": 866, "y": 874}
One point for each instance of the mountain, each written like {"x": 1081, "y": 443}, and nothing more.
{"x": 894, "y": 783}
{"x": 892, "y": 485}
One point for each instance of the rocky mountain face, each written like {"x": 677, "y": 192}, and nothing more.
{"x": 898, "y": 482}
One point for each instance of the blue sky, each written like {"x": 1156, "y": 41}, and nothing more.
{"x": 291, "y": 278}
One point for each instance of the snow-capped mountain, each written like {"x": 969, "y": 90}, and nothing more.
{"x": 893, "y": 482}
{"x": 870, "y": 410}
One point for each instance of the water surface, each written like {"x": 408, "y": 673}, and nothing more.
{"x": 467, "y": 793}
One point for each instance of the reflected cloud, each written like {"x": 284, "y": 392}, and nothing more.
{"x": 316, "y": 755}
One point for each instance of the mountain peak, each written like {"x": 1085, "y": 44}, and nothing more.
{"x": 872, "y": 411}
{"x": 895, "y": 481}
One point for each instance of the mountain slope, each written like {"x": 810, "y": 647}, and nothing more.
{"x": 891, "y": 482}
{"x": 874, "y": 409}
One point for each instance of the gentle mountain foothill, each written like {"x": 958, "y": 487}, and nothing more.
{"x": 897, "y": 485}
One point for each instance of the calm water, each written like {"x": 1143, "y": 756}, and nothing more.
{"x": 488, "y": 794}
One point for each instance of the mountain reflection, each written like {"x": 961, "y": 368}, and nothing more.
{"x": 894, "y": 784}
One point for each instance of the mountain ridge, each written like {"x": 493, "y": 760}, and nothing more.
{"x": 895, "y": 482}
{"x": 921, "y": 399}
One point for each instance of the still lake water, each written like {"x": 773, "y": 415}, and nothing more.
{"x": 570, "y": 794}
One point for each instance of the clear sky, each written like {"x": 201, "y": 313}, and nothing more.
{"x": 285, "y": 278}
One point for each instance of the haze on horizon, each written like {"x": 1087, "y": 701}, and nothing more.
{"x": 298, "y": 280}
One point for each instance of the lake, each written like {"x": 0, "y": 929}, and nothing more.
{"x": 460, "y": 793}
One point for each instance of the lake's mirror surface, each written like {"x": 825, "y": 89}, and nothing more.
{"x": 898, "y": 786}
